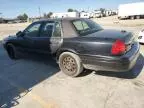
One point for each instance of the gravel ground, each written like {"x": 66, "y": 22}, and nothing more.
{"x": 7, "y": 29}
{"x": 114, "y": 21}
{"x": 36, "y": 82}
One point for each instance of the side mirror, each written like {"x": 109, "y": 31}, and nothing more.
{"x": 20, "y": 33}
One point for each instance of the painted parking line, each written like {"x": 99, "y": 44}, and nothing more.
{"x": 35, "y": 97}
{"x": 42, "y": 102}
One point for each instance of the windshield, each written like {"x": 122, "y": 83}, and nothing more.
{"x": 85, "y": 26}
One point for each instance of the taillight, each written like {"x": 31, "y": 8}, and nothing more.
{"x": 118, "y": 48}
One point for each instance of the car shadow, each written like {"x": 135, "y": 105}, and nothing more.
{"x": 126, "y": 75}
{"x": 85, "y": 73}
{"x": 19, "y": 80}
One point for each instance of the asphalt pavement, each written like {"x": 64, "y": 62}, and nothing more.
{"x": 35, "y": 81}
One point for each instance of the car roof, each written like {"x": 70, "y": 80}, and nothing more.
{"x": 68, "y": 28}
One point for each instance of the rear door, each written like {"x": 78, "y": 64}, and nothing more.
{"x": 50, "y": 37}
{"x": 56, "y": 39}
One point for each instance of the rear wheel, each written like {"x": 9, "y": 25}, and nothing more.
{"x": 70, "y": 64}
{"x": 11, "y": 50}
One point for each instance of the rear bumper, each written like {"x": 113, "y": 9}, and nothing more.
{"x": 109, "y": 63}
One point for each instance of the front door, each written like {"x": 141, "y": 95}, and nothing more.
{"x": 31, "y": 33}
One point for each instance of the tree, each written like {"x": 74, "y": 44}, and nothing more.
{"x": 49, "y": 14}
{"x": 25, "y": 16}
{"x": 102, "y": 11}
{"x": 70, "y": 10}
{"x": 76, "y": 10}
{"x": 22, "y": 17}
{"x": 45, "y": 15}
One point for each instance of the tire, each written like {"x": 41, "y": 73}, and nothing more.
{"x": 12, "y": 52}
{"x": 70, "y": 64}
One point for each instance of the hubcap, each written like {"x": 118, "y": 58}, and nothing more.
{"x": 69, "y": 64}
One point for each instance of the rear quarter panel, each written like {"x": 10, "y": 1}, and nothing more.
{"x": 88, "y": 45}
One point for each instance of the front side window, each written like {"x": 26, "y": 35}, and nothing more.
{"x": 85, "y": 26}
{"x": 33, "y": 30}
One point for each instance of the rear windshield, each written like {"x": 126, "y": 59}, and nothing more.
{"x": 86, "y": 26}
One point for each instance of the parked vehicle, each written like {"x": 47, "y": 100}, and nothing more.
{"x": 97, "y": 14}
{"x": 131, "y": 10}
{"x": 84, "y": 15}
{"x": 91, "y": 15}
{"x": 141, "y": 36}
{"x": 77, "y": 44}
{"x": 65, "y": 14}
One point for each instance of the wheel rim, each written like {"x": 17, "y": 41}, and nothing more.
{"x": 69, "y": 64}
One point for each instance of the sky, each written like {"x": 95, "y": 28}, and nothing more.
{"x": 13, "y": 8}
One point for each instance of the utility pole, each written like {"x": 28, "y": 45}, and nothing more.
{"x": 88, "y": 8}
{"x": 0, "y": 15}
{"x": 39, "y": 12}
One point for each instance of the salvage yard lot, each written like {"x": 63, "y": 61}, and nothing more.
{"x": 35, "y": 81}
{"x": 114, "y": 21}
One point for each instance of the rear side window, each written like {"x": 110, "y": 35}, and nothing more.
{"x": 57, "y": 30}
{"x": 51, "y": 29}
{"x": 85, "y": 26}
{"x": 47, "y": 29}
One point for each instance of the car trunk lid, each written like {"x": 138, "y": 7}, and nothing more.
{"x": 113, "y": 35}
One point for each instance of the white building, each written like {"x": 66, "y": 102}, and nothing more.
{"x": 65, "y": 14}
{"x": 97, "y": 14}
{"x": 84, "y": 15}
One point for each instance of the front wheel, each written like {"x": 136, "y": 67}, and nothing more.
{"x": 11, "y": 50}
{"x": 70, "y": 64}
